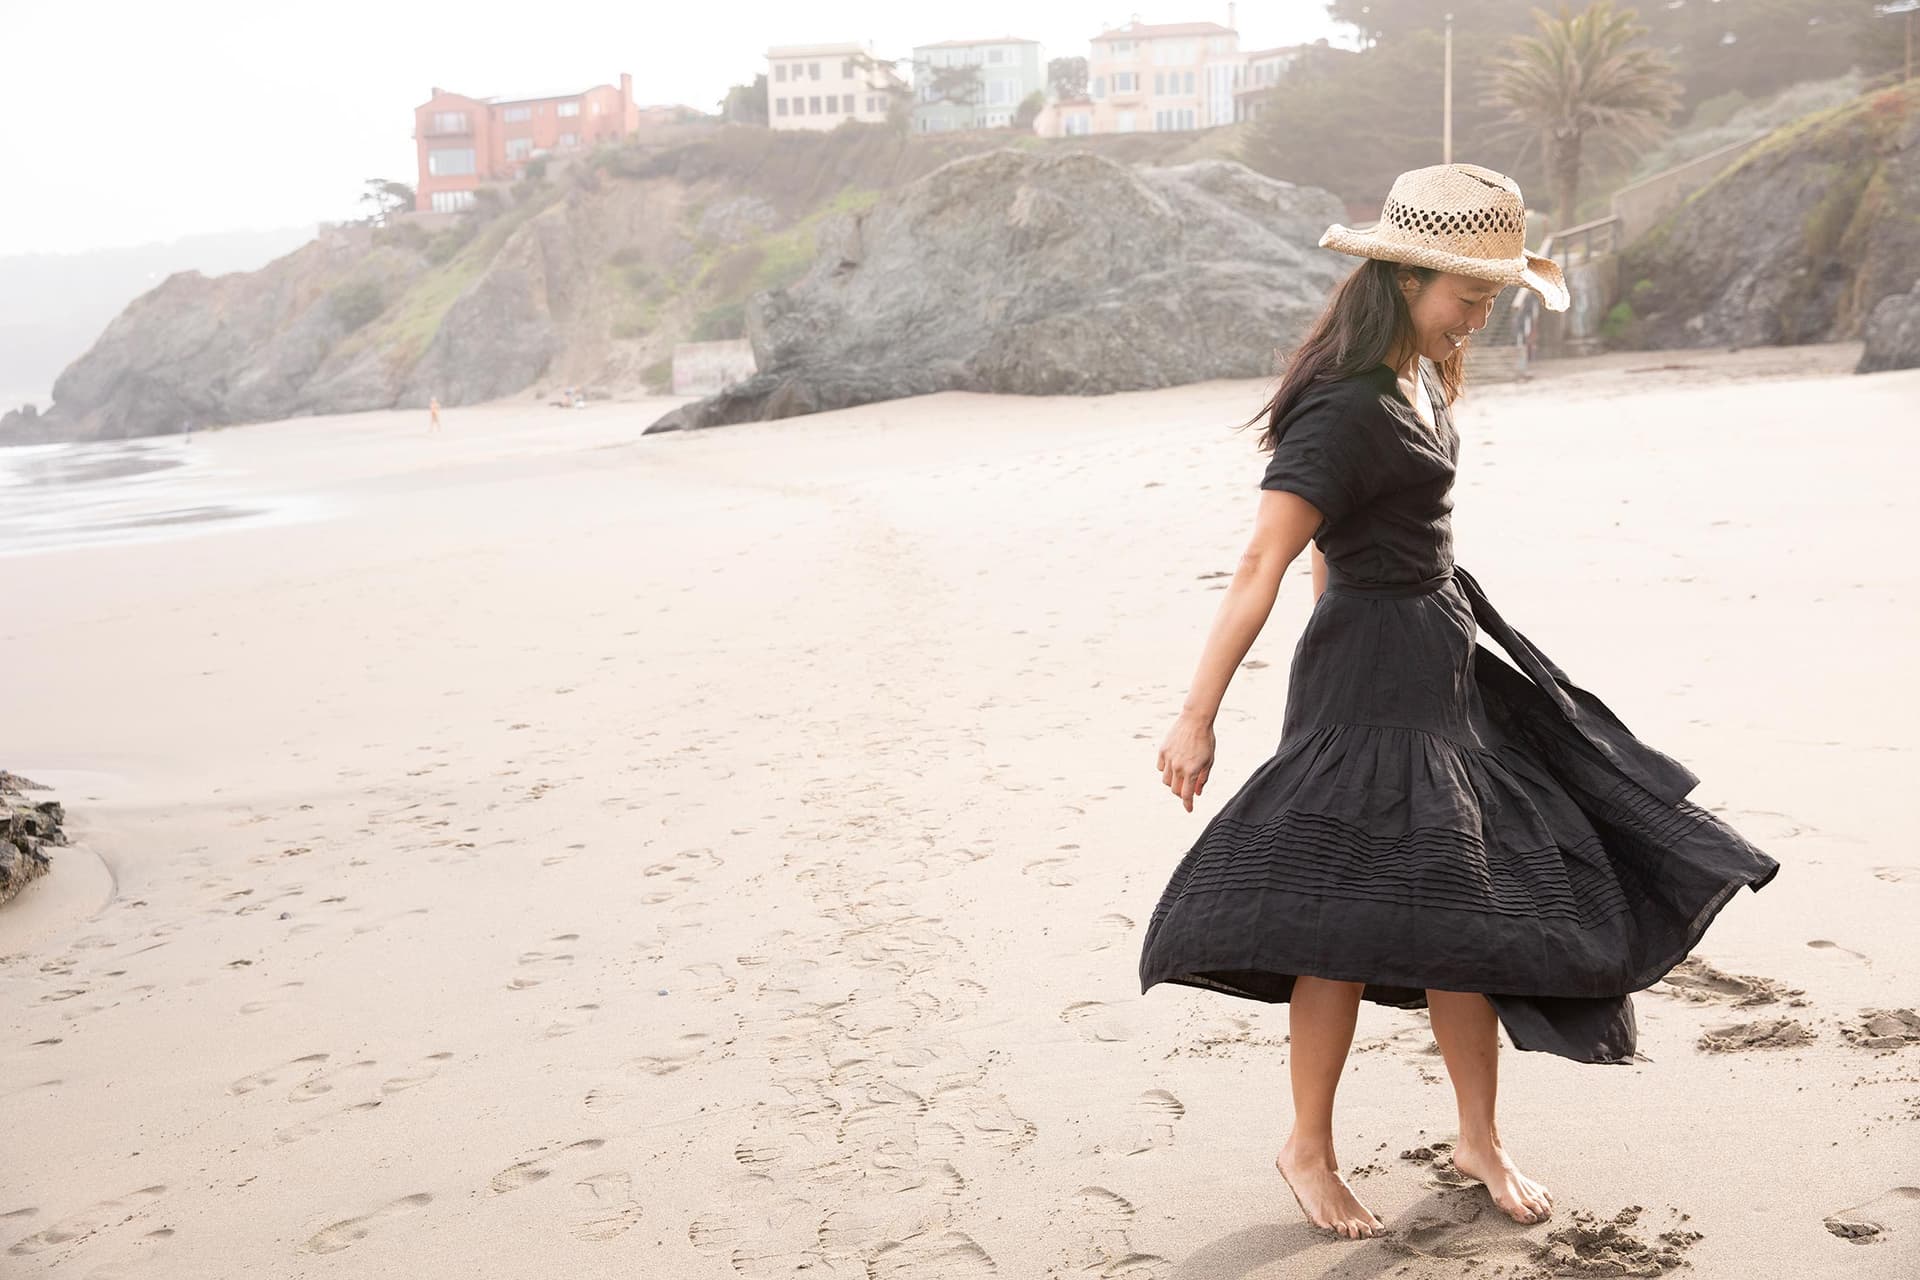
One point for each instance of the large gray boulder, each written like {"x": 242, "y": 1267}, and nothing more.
{"x": 1040, "y": 274}
{"x": 1796, "y": 243}
{"x": 1893, "y": 333}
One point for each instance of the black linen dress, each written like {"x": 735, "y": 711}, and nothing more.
{"x": 1435, "y": 817}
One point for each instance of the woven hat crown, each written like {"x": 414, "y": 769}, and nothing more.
{"x": 1456, "y": 208}
{"x": 1459, "y": 218}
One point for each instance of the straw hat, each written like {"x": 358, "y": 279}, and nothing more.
{"x": 1458, "y": 218}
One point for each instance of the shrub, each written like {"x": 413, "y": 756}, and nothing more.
{"x": 357, "y": 302}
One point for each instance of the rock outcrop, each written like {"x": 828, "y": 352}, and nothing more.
{"x": 1798, "y": 242}
{"x": 26, "y": 829}
{"x": 587, "y": 277}
{"x": 1893, "y": 333}
{"x": 1039, "y": 274}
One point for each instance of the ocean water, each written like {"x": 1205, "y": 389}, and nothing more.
{"x": 56, "y": 496}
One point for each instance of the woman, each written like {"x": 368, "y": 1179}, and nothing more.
{"x": 1438, "y": 829}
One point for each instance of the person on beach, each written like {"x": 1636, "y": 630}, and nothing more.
{"x": 1437, "y": 828}
{"x": 433, "y": 414}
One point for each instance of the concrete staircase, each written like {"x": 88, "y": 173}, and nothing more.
{"x": 1497, "y": 353}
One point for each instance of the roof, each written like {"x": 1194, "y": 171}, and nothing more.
{"x": 968, "y": 44}
{"x": 811, "y": 50}
{"x": 1153, "y": 31}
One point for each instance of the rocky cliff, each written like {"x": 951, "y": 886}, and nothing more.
{"x": 1040, "y": 274}
{"x": 586, "y": 276}
{"x": 1800, "y": 241}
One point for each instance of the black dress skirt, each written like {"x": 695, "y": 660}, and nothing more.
{"x": 1435, "y": 817}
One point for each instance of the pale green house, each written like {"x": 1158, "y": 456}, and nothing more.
{"x": 1009, "y": 70}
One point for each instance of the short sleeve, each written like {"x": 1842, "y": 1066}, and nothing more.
{"x": 1329, "y": 453}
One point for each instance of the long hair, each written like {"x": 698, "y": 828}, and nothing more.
{"x": 1358, "y": 329}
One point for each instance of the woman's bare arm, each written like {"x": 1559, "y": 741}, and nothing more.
{"x": 1282, "y": 525}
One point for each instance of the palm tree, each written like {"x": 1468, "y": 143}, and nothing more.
{"x": 1582, "y": 80}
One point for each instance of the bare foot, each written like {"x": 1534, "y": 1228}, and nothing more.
{"x": 1519, "y": 1197}
{"x": 1324, "y": 1196}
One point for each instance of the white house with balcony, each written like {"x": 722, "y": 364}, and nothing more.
{"x": 821, "y": 86}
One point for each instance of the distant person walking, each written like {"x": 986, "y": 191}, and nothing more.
{"x": 1437, "y": 829}
{"x": 433, "y": 411}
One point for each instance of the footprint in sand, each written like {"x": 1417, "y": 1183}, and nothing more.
{"x": 684, "y": 1049}
{"x": 89, "y": 1221}
{"x": 1884, "y": 1029}
{"x": 322, "y": 1082}
{"x": 351, "y": 1230}
{"x": 571, "y": 1021}
{"x": 1774, "y": 1033}
{"x": 1694, "y": 979}
{"x": 609, "y": 1206}
{"x": 1897, "y": 875}
{"x": 1149, "y": 1126}
{"x": 428, "y": 1068}
{"x": 685, "y": 865}
{"x": 273, "y": 1075}
{"x": 710, "y": 980}
{"x": 306, "y": 1129}
{"x": 531, "y": 1169}
{"x": 978, "y": 1115}
{"x": 1095, "y": 1020}
{"x": 1051, "y": 871}
{"x": 1821, "y": 944}
{"x": 540, "y": 965}
{"x": 1110, "y": 930}
{"x": 1869, "y": 1223}
{"x": 933, "y": 1253}
{"x": 1102, "y": 1219}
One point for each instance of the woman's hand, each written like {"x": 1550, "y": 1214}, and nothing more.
{"x": 1186, "y": 757}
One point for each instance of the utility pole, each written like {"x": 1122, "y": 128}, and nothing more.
{"x": 1906, "y": 7}
{"x": 1446, "y": 109}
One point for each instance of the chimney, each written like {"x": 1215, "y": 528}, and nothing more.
{"x": 1230, "y": 8}
{"x": 626, "y": 87}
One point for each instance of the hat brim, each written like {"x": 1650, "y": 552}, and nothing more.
{"x": 1529, "y": 270}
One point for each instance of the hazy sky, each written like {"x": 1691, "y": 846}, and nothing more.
{"x": 130, "y": 122}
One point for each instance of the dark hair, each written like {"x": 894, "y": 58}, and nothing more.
{"x": 1357, "y": 330}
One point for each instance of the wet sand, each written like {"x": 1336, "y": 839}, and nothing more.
{"x": 555, "y": 851}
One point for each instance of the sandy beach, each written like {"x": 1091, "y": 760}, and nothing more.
{"x": 537, "y": 849}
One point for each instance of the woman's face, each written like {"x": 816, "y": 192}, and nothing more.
{"x": 1447, "y": 310}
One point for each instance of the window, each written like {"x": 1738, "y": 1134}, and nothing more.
{"x": 779, "y": 72}
{"x": 1159, "y": 82}
{"x": 1077, "y": 123}
{"x": 813, "y": 71}
{"x": 569, "y": 140}
{"x": 813, "y": 105}
{"x": 450, "y": 162}
{"x": 515, "y": 115}
{"x": 779, "y": 106}
{"x": 596, "y": 108}
{"x": 452, "y": 201}
{"x": 1098, "y": 88}
{"x": 449, "y": 122}
{"x": 567, "y": 109}
{"x": 833, "y": 104}
{"x": 846, "y": 68}
{"x": 1188, "y": 83}
{"x": 873, "y": 104}
{"x": 999, "y": 93}
{"x": 519, "y": 148}
{"x": 996, "y": 55}
{"x": 1126, "y": 82}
